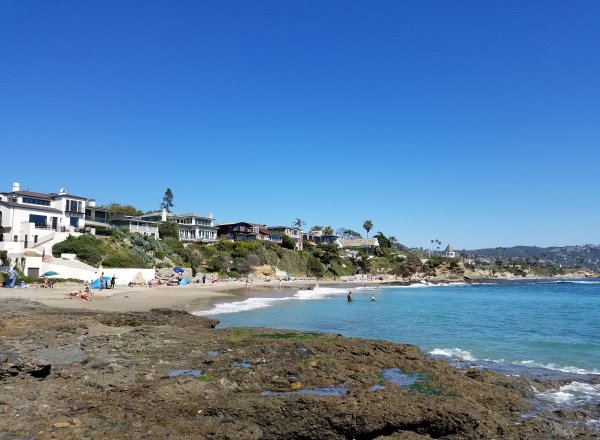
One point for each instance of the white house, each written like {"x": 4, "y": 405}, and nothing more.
{"x": 192, "y": 227}
{"x": 32, "y": 220}
{"x": 449, "y": 252}
{"x": 136, "y": 224}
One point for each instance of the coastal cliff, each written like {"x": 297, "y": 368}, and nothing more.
{"x": 454, "y": 271}
{"x": 168, "y": 374}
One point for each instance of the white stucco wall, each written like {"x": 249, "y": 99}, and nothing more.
{"x": 124, "y": 276}
{"x": 80, "y": 271}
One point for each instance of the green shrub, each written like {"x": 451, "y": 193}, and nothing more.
{"x": 87, "y": 248}
{"x": 168, "y": 229}
{"x": 315, "y": 267}
{"x": 124, "y": 258}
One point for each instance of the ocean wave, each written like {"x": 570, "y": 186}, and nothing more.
{"x": 261, "y": 303}
{"x": 573, "y": 394}
{"x": 320, "y": 293}
{"x": 455, "y": 353}
{"x": 564, "y": 369}
{"x": 240, "y": 306}
{"x": 465, "y": 355}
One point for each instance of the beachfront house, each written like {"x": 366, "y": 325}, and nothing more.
{"x": 242, "y": 231}
{"x": 351, "y": 247}
{"x": 35, "y": 221}
{"x": 136, "y": 224}
{"x": 318, "y": 237}
{"x": 294, "y": 233}
{"x": 97, "y": 217}
{"x": 192, "y": 227}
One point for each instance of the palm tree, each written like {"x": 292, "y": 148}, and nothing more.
{"x": 298, "y": 224}
{"x": 392, "y": 240}
{"x": 431, "y": 248}
{"x": 438, "y": 242}
{"x": 367, "y": 226}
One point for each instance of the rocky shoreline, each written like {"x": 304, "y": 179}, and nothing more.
{"x": 74, "y": 374}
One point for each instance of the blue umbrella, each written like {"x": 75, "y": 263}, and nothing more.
{"x": 50, "y": 273}
{"x": 177, "y": 269}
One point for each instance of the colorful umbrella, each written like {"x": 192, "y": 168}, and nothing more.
{"x": 50, "y": 273}
{"x": 177, "y": 269}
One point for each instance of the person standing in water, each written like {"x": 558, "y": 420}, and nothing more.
{"x": 372, "y": 298}
{"x": 350, "y": 297}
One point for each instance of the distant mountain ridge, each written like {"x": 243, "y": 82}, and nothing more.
{"x": 585, "y": 256}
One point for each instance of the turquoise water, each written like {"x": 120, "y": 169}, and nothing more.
{"x": 553, "y": 325}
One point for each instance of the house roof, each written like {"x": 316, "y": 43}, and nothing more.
{"x": 45, "y": 196}
{"x": 37, "y": 195}
{"x": 30, "y": 207}
{"x": 449, "y": 249}
{"x": 360, "y": 242}
{"x": 236, "y": 223}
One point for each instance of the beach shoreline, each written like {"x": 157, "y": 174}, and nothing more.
{"x": 191, "y": 298}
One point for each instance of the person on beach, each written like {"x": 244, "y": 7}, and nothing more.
{"x": 46, "y": 282}
{"x": 350, "y": 297}
{"x": 102, "y": 281}
{"x": 112, "y": 282}
{"x": 204, "y": 279}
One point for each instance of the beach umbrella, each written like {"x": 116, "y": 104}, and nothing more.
{"x": 50, "y": 273}
{"x": 177, "y": 269}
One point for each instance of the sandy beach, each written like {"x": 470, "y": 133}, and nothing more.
{"x": 190, "y": 298}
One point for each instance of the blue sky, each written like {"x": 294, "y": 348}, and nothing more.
{"x": 474, "y": 122}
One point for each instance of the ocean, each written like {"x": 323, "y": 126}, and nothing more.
{"x": 549, "y": 329}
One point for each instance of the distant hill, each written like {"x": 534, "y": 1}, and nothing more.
{"x": 586, "y": 256}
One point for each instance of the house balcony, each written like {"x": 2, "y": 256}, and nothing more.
{"x": 97, "y": 222}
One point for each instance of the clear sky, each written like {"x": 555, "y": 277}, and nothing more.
{"x": 473, "y": 122}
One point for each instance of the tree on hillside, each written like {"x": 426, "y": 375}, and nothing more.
{"x": 118, "y": 209}
{"x": 168, "y": 229}
{"x": 316, "y": 228}
{"x": 348, "y": 234}
{"x": 384, "y": 242}
{"x": 328, "y": 230}
{"x": 167, "y": 201}
{"x": 367, "y": 226}
{"x": 287, "y": 242}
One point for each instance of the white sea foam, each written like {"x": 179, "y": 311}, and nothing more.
{"x": 566, "y": 369}
{"x": 574, "y": 393}
{"x": 455, "y": 353}
{"x": 240, "y": 306}
{"x": 320, "y": 293}
{"x": 261, "y": 303}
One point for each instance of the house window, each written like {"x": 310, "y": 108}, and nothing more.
{"x": 33, "y": 201}
{"x": 74, "y": 206}
{"x": 39, "y": 220}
